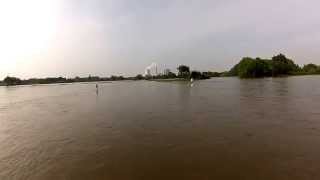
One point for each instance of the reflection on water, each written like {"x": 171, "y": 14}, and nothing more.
{"x": 223, "y": 128}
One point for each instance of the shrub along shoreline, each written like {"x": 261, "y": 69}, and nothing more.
{"x": 279, "y": 65}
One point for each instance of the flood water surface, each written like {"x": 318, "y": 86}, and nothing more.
{"x": 223, "y": 128}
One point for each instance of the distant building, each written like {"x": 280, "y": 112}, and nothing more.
{"x": 148, "y": 72}
{"x": 151, "y": 70}
{"x": 166, "y": 72}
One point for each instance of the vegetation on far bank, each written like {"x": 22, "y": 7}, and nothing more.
{"x": 184, "y": 73}
{"x": 278, "y": 65}
{"x": 248, "y": 67}
{"x": 11, "y": 81}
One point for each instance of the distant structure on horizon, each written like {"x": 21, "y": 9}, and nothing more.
{"x": 151, "y": 70}
{"x": 147, "y": 72}
{"x": 166, "y": 72}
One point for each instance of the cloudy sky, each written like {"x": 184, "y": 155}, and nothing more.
{"x": 40, "y": 38}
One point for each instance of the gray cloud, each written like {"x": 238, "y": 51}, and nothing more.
{"x": 111, "y": 36}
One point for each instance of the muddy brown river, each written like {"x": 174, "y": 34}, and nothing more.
{"x": 223, "y": 128}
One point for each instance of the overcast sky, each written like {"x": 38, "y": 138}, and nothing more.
{"x": 122, "y": 37}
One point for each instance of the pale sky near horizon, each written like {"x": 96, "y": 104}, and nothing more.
{"x": 42, "y": 38}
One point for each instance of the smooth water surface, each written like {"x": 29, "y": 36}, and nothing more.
{"x": 223, "y": 128}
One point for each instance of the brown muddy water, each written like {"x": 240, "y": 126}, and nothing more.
{"x": 223, "y": 128}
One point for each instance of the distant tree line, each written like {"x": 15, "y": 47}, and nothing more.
{"x": 11, "y": 81}
{"x": 278, "y": 65}
{"x": 248, "y": 67}
{"x": 184, "y": 72}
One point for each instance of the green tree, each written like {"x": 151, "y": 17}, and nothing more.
{"x": 251, "y": 68}
{"x": 9, "y": 81}
{"x": 183, "y": 71}
{"x": 281, "y": 65}
{"x": 311, "y": 69}
{"x": 233, "y": 71}
{"x": 196, "y": 75}
{"x": 171, "y": 75}
{"x": 139, "y": 77}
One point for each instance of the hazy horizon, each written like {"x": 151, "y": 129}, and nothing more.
{"x": 42, "y": 38}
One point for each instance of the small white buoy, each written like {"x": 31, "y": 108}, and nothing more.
{"x": 191, "y": 81}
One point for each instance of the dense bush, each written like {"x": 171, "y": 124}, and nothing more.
{"x": 311, "y": 69}
{"x": 277, "y": 66}
{"x": 183, "y": 71}
{"x": 198, "y": 75}
{"x": 9, "y": 81}
{"x": 249, "y": 67}
{"x": 283, "y": 66}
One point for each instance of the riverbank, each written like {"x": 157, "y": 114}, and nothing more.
{"x": 58, "y": 83}
{"x": 169, "y": 80}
